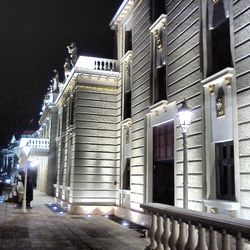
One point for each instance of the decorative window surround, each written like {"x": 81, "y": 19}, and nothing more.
{"x": 125, "y": 153}
{"x": 124, "y": 198}
{"x": 126, "y": 147}
{"x": 126, "y": 83}
{"x": 222, "y": 79}
{"x": 219, "y": 129}
{"x": 122, "y": 12}
{"x": 160, "y": 112}
{"x": 158, "y": 24}
{"x": 126, "y": 57}
{"x": 158, "y": 59}
{"x": 223, "y": 207}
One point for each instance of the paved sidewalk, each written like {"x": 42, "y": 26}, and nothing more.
{"x": 40, "y": 228}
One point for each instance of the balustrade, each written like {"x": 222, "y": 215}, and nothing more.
{"x": 95, "y": 63}
{"x": 179, "y": 228}
{"x": 36, "y": 143}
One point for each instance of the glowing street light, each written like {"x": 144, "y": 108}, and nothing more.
{"x": 185, "y": 113}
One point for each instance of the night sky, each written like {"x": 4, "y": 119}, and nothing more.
{"x": 33, "y": 37}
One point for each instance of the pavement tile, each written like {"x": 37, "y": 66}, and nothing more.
{"x": 40, "y": 228}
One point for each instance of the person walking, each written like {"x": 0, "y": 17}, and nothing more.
{"x": 20, "y": 187}
{"x": 29, "y": 191}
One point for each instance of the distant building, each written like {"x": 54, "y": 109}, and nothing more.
{"x": 115, "y": 138}
{"x": 9, "y": 158}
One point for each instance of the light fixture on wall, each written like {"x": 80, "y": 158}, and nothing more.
{"x": 185, "y": 113}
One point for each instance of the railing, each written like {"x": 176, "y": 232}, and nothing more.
{"x": 95, "y": 63}
{"x": 35, "y": 143}
{"x": 178, "y": 228}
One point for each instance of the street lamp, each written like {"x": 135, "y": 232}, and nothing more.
{"x": 26, "y": 150}
{"x": 185, "y": 113}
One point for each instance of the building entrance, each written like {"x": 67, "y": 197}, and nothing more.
{"x": 163, "y": 183}
{"x": 163, "y": 163}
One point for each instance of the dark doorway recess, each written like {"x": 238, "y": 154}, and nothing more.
{"x": 163, "y": 183}
{"x": 163, "y": 162}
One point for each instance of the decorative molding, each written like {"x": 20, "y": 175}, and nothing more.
{"x": 127, "y": 122}
{"x": 215, "y": 1}
{"x": 218, "y": 77}
{"x": 106, "y": 88}
{"x": 127, "y": 56}
{"x": 157, "y": 107}
{"x": 228, "y": 80}
{"x": 158, "y": 24}
{"x": 211, "y": 88}
{"x": 122, "y": 12}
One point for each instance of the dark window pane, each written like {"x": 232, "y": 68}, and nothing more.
{"x": 160, "y": 89}
{"x": 127, "y": 105}
{"x": 126, "y": 175}
{"x": 157, "y": 7}
{"x": 225, "y": 182}
{"x": 221, "y": 51}
{"x": 128, "y": 40}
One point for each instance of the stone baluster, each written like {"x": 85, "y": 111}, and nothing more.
{"x": 106, "y": 66}
{"x": 239, "y": 242}
{"x": 225, "y": 241}
{"x": 103, "y": 65}
{"x": 152, "y": 231}
{"x": 173, "y": 236}
{"x": 166, "y": 233}
{"x": 212, "y": 239}
{"x": 98, "y": 65}
{"x": 159, "y": 232}
{"x": 180, "y": 244}
{"x": 201, "y": 245}
{"x": 111, "y": 66}
{"x": 95, "y": 66}
{"x": 191, "y": 241}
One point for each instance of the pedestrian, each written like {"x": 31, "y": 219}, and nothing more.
{"x": 20, "y": 187}
{"x": 29, "y": 191}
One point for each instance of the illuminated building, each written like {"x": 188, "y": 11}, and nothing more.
{"x": 118, "y": 138}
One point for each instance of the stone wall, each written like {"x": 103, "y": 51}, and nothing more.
{"x": 94, "y": 173}
{"x": 183, "y": 81}
{"x": 140, "y": 99}
{"x": 241, "y": 20}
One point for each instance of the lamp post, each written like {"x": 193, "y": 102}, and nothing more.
{"x": 26, "y": 150}
{"x": 184, "y": 113}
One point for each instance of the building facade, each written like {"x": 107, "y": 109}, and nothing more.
{"x": 117, "y": 140}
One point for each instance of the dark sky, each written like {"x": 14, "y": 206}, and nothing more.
{"x": 33, "y": 38}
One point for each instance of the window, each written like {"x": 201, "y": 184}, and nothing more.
{"x": 157, "y": 7}
{"x": 127, "y": 86}
{"x": 128, "y": 40}
{"x": 158, "y": 46}
{"x": 71, "y": 111}
{"x": 225, "y": 185}
{"x": 63, "y": 121}
{"x": 59, "y": 124}
{"x": 126, "y": 175}
{"x": 125, "y": 154}
{"x": 160, "y": 85}
{"x": 127, "y": 104}
{"x": 219, "y": 55}
{"x": 221, "y": 159}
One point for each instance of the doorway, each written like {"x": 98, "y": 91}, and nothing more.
{"x": 163, "y": 164}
